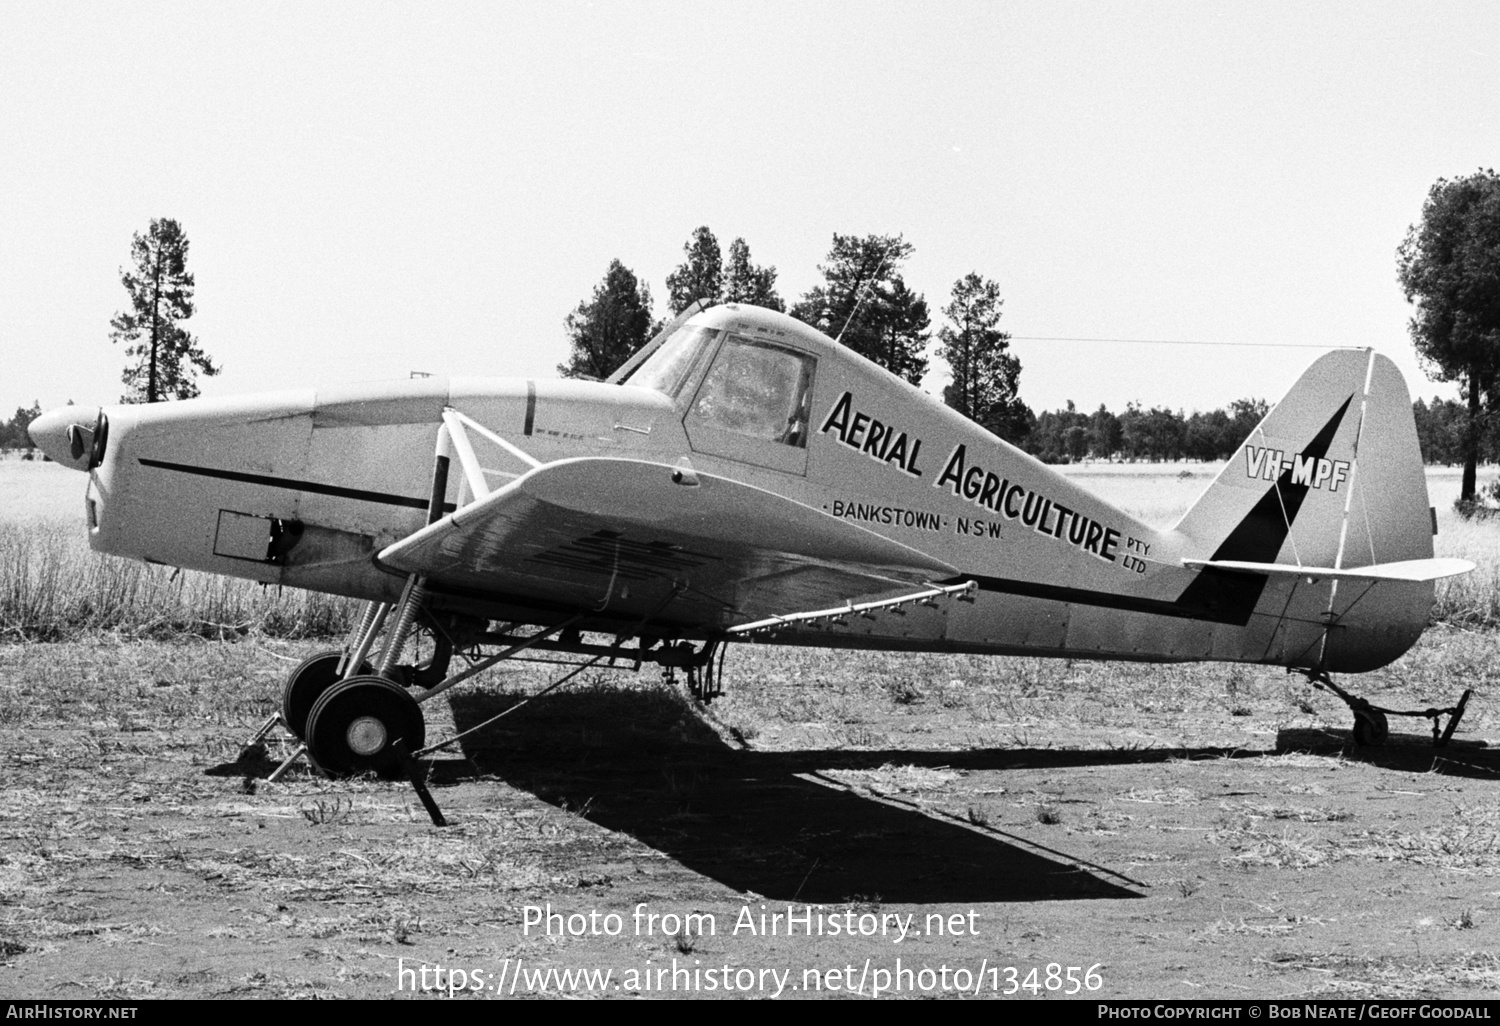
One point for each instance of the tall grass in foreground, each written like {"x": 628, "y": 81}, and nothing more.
{"x": 53, "y": 586}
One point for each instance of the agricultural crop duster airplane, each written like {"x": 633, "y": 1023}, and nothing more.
{"x": 744, "y": 477}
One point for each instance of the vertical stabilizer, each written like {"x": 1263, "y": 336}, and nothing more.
{"x": 1332, "y": 477}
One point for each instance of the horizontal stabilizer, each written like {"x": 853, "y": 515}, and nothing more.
{"x": 1405, "y": 570}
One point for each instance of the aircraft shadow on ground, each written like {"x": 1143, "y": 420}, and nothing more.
{"x": 640, "y": 764}
{"x": 774, "y": 824}
{"x": 1406, "y": 750}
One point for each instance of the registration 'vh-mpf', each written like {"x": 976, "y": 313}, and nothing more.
{"x": 745, "y": 478}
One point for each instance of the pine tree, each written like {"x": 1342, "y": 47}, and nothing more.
{"x": 167, "y": 359}
{"x": 746, "y": 283}
{"x": 605, "y": 330}
{"x": 865, "y": 304}
{"x": 986, "y": 375}
{"x": 701, "y": 276}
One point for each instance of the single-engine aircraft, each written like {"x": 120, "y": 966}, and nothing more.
{"x": 746, "y": 478}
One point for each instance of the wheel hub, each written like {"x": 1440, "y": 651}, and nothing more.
{"x": 366, "y": 736}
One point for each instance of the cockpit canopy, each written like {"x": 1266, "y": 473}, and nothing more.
{"x": 730, "y": 383}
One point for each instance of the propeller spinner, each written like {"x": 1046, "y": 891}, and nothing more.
{"x": 74, "y": 436}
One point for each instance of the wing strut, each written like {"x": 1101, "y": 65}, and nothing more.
{"x": 453, "y": 438}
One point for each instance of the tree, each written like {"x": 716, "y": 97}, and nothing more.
{"x": 1244, "y": 416}
{"x": 865, "y": 304}
{"x": 1104, "y": 433}
{"x": 167, "y": 359}
{"x": 899, "y": 329}
{"x": 1435, "y": 431}
{"x": 986, "y": 374}
{"x": 13, "y": 432}
{"x": 607, "y": 329}
{"x": 701, "y": 276}
{"x": 1449, "y": 267}
{"x": 746, "y": 283}
{"x": 1155, "y": 434}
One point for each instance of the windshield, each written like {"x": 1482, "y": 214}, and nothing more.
{"x": 667, "y": 369}
{"x": 756, "y": 389}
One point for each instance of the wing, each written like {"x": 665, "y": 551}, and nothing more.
{"x": 634, "y": 538}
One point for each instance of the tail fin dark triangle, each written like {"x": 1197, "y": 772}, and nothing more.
{"x": 1259, "y": 536}
{"x": 1348, "y": 490}
{"x": 1231, "y": 596}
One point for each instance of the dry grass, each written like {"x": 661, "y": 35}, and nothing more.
{"x": 52, "y": 586}
{"x": 1393, "y": 977}
{"x": 128, "y": 828}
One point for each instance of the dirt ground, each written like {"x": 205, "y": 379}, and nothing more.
{"x": 1126, "y": 832}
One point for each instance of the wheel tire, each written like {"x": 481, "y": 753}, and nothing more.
{"x": 305, "y": 685}
{"x": 1370, "y": 728}
{"x": 354, "y": 724}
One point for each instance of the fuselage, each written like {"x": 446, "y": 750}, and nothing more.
{"x": 304, "y": 488}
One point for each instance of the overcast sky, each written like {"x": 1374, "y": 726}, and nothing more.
{"x": 375, "y": 189}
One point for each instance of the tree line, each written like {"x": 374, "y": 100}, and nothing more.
{"x": 1443, "y": 427}
{"x": 864, "y": 302}
{"x": 13, "y": 432}
{"x": 1154, "y": 435}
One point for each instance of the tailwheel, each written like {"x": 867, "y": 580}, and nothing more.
{"x": 306, "y": 684}
{"x": 355, "y": 724}
{"x": 1370, "y": 725}
{"x": 1370, "y": 728}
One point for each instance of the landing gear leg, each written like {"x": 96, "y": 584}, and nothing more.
{"x": 1371, "y": 726}
{"x": 354, "y": 721}
{"x": 355, "y": 732}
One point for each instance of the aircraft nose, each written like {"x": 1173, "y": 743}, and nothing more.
{"x": 66, "y": 434}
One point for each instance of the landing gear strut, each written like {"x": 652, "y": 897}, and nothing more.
{"x": 1371, "y": 728}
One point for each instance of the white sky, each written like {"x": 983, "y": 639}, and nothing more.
{"x": 373, "y": 189}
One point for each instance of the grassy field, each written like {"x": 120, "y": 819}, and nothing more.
{"x": 52, "y": 586}
{"x": 1188, "y": 831}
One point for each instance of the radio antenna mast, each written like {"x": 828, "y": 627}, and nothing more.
{"x": 864, "y": 289}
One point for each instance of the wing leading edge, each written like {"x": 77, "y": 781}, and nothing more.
{"x": 636, "y": 538}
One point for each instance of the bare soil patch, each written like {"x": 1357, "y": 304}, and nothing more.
{"x": 1185, "y": 831}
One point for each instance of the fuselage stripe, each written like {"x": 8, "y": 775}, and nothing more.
{"x": 358, "y": 494}
{"x": 1231, "y": 612}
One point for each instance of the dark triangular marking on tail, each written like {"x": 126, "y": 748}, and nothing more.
{"x": 1257, "y": 539}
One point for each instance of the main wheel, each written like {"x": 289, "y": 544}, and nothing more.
{"x": 1370, "y": 728}
{"x": 353, "y": 726}
{"x": 306, "y": 685}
